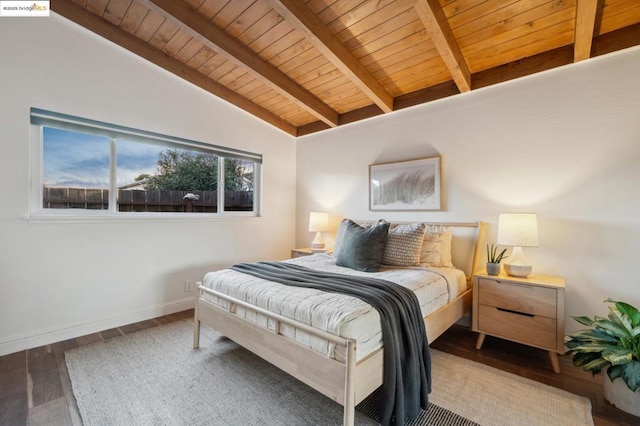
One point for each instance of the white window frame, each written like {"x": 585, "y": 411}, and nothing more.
{"x": 42, "y": 118}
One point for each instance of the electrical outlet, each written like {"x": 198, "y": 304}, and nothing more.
{"x": 188, "y": 286}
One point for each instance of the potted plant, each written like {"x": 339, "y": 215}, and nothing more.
{"x": 494, "y": 259}
{"x": 612, "y": 344}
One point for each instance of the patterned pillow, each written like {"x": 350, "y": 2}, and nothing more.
{"x": 436, "y": 248}
{"x": 404, "y": 245}
{"x": 362, "y": 248}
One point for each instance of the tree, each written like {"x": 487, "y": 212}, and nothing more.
{"x": 180, "y": 170}
{"x": 238, "y": 175}
{"x": 184, "y": 171}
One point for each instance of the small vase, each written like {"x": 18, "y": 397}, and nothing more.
{"x": 493, "y": 269}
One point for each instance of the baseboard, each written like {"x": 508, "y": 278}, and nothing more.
{"x": 70, "y": 331}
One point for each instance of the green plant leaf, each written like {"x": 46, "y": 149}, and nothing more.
{"x": 620, "y": 318}
{"x": 613, "y": 341}
{"x": 502, "y": 255}
{"x": 492, "y": 254}
{"x": 631, "y": 375}
{"x": 615, "y": 371}
{"x": 584, "y": 320}
{"x": 582, "y": 358}
{"x": 616, "y": 355}
{"x": 593, "y": 335}
{"x": 614, "y": 328}
{"x": 630, "y": 311}
{"x": 580, "y": 346}
{"x": 596, "y": 365}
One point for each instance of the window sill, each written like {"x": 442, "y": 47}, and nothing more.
{"x": 110, "y": 217}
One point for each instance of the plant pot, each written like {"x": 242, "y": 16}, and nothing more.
{"x": 493, "y": 269}
{"x": 619, "y": 395}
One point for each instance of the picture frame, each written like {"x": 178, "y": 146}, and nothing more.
{"x": 413, "y": 185}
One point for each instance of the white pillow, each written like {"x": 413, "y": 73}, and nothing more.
{"x": 404, "y": 244}
{"x": 436, "y": 248}
{"x": 445, "y": 249}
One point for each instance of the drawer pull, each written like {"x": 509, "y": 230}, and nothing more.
{"x": 516, "y": 312}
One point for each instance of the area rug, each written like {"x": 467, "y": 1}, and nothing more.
{"x": 154, "y": 377}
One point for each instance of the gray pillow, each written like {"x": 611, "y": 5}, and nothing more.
{"x": 362, "y": 248}
{"x": 340, "y": 235}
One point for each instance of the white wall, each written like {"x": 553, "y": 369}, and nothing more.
{"x": 564, "y": 144}
{"x": 61, "y": 280}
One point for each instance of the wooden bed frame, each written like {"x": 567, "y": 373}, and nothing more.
{"x": 347, "y": 382}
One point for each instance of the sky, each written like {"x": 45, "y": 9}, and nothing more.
{"x": 81, "y": 160}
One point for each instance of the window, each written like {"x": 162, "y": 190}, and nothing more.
{"x": 88, "y": 166}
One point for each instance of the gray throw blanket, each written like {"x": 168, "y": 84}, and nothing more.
{"x": 407, "y": 362}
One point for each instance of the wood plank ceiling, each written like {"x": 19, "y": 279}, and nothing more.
{"x": 309, "y": 65}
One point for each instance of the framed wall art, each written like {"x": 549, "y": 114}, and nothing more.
{"x": 406, "y": 185}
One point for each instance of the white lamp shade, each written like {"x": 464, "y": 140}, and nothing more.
{"x": 318, "y": 222}
{"x": 518, "y": 229}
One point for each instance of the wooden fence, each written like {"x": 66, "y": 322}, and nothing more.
{"x": 139, "y": 200}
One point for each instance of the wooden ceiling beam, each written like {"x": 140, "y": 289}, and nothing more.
{"x": 216, "y": 39}
{"x": 436, "y": 24}
{"x": 418, "y": 97}
{"x": 585, "y": 25}
{"x": 602, "y": 44}
{"x": 105, "y": 29}
{"x": 304, "y": 20}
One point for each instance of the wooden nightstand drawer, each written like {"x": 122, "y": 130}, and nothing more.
{"x": 527, "y": 299}
{"x": 533, "y": 330}
{"x": 526, "y": 310}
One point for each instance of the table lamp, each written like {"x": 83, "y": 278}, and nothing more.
{"x": 517, "y": 230}
{"x": 318, "y": 223}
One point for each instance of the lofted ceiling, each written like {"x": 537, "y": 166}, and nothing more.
{"x": 309, "y": 65}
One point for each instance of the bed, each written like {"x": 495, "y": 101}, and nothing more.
{"x": 335, "y": 347}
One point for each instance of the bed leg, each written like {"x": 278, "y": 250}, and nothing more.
{"x": 349, "y": 385}
{"x": 196, "y": 333}
{"x": 196, "y": 321}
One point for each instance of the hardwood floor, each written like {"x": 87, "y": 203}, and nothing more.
{"x": 35, "y": 388}
{"x": 534, "y": 364}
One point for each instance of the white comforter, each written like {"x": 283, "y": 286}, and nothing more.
{"x": 338, "y": 314}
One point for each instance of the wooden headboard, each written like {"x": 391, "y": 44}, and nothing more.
{"x": 466, "y": 245}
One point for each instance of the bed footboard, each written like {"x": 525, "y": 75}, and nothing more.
{"x": 333, "y": 378}
{"x": 347, "y": 383}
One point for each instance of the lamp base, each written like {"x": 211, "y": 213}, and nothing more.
{"x": 521, "y": 271}
{"x": 317, "y": 245}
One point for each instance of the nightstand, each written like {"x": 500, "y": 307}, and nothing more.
{"x": 299, "y": 252}
{"x": 524, "y": 310}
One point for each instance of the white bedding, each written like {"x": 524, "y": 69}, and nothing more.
{"x": 338, "y": 314}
